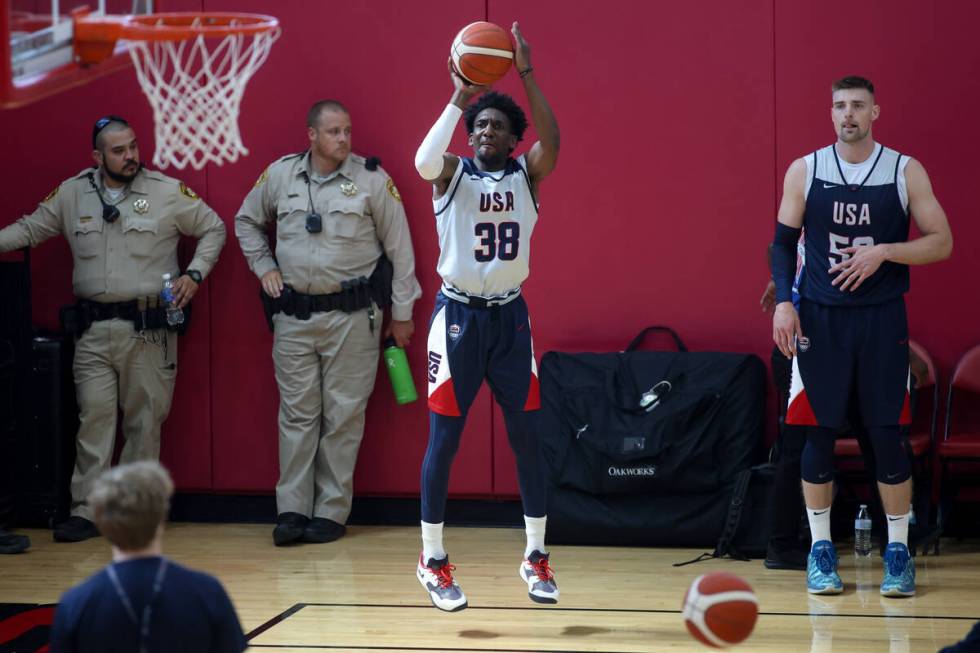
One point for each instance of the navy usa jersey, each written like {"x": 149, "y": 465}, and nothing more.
{"x": 851, "y": 205}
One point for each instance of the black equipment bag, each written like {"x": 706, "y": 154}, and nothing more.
{"x": 694, "y": 520}
{"x": 46, "y": 450}
{"x": 644, "y": 446}
{"x": 16, "y": 418}
{"x": 8, "y": 431}
{"x": 640, "y": 421}
{"x": 746, "y": 527}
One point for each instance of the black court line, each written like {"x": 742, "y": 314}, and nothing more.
{"x": 278, "y": 619}
{"x": 286, "y": 614}
{"x": 431, "y": 648}
{"x": 628, "y": 610}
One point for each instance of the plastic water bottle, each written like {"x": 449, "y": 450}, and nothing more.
{"x": 862, "y": 532}
{"x": 399, "y": 373}
{"x": 175, "y": 316}
{"x": 865, "y": 582}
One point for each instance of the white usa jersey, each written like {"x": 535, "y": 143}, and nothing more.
{"x": 484, "y": 222}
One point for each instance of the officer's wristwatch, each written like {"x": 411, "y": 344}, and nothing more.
{"x": 195, "y": 276}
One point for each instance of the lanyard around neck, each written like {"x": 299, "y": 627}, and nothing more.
{"x": 144, "y": 621}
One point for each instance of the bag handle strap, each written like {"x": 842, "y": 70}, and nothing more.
{"x": 739, "y": 497}
{"x": 724, "y": 547}
{"x": 638, "y": 340}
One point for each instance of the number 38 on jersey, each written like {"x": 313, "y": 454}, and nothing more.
{"x": 497, "y": 241}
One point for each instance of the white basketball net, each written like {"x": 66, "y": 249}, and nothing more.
{"x": 196, "y": 94}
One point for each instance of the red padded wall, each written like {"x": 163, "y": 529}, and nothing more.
{"x": 677, "y": 125}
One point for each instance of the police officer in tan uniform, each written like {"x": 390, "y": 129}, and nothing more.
{"x": 338, "y": 219}
{"x": 122, "y": 223}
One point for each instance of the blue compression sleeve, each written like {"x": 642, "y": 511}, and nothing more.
{"x": 783, "y": 265}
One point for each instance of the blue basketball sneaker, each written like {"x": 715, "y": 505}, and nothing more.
{"x": 821, "y": 569}
{"x": 899, "y": 577}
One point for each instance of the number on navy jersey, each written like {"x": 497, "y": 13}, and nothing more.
{"x": 838, "y": 243}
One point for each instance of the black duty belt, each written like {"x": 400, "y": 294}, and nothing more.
{"x": 354, "y": 295}
{"x": 99, "y": 311}
{"x": 144, "y": 314}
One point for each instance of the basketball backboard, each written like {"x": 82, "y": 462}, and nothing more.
{"x": 36, "y": 54}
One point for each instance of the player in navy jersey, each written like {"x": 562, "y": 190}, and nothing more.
{"x": 486, "y": 208}
{"x": 850, "y": 335}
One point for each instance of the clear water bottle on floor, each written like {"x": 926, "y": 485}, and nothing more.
{"x": 175, "y": 316}
{"x": 866, "y": 580}
{"x": 862, "y": 532}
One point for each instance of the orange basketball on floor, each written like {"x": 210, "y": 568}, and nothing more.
{"x": 482, "y": 52}
{"x": 720, "y": 609}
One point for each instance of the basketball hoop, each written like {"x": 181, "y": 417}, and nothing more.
{"x": 193, "y": 68}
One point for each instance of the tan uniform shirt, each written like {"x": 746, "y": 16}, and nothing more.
{"x": 126, "y": 259}
{"x": 359, "y": 208}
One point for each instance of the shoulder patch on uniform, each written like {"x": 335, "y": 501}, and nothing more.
{"x": 50, "y": 196}
{"x": 156, "y": 175}
{"x": 390, "y": 185}
{"x": 187, "y": 192}
{"x": 262, "y": 178}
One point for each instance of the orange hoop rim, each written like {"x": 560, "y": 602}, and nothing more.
{"x": 177, "y": 26}
{"x": 173, "y": 26}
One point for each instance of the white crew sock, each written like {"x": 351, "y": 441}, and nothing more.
{"x": 819, "y": 524}
{"x": 898, "y": 528}
{"x": 534, "y": 526}
{"x": 432, "y": 548}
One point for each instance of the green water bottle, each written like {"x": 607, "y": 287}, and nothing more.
{"x": 399, "y": 372}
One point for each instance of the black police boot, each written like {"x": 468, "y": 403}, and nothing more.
{"x": 75, "y": 529}
{"x": 321, "y": 530}
{"x": 289, "y": 528}
{"x": 10, "y": 543}
{"x": 788, "y": 558}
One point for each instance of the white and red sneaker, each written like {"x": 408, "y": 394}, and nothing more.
{"x": 540, "y": 578}
{"x": 436, "y": 577}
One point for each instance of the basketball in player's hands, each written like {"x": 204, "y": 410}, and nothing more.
{"x": 482, "y": 53}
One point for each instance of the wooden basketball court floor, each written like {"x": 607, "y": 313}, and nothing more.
{"x": 360, "y": 594}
